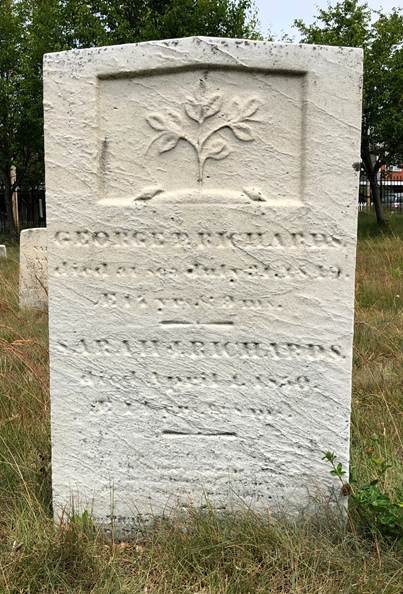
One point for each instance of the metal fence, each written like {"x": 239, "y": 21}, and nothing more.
{"x": 391, "y": 190}
{"x": 31, "y": 208}
{"x": 32, "y": 205}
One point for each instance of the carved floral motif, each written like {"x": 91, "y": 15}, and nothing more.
{"x": 204, "y": 111}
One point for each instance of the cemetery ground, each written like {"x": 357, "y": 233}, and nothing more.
{"x": 206, "y": 553}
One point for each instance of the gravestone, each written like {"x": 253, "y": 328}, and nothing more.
{"x": 3, "y": 251}
{"x": 202, "y": 202}
{"x": 33, "y": 268}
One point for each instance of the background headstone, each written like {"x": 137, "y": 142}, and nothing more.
{"x": 202, "y": 200}
{"x": 3, "y": 251}
{"x": 33, "y": 268}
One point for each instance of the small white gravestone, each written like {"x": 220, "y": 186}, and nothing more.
{"x": 202, "y": 202}
{"x": 3, "y": 251}
{"x": 33, "y": 268}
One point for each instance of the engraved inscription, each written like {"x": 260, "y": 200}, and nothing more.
{"x": 201, "y": 240}
{"x": 115, "y": 300}
{"x": 234, "y": 380}
{"x": 200, "y": 349}
{"x": 91, "y": 379}
{"x": 276, "y": 270}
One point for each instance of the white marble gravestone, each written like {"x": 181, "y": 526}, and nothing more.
{"x": 3, "y": 251}
{"x": 202, "y": 201}
{"x": 34, "y": 268}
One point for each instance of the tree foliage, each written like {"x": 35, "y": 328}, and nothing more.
{"x": 105, "y": 22}
{"x": 31, "y": 28}
{"x": 352, "y": 23}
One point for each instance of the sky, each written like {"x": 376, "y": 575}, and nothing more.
{"x": 280, "y": 14}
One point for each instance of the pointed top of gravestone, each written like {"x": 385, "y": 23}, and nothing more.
{"x": 185, "y": 49}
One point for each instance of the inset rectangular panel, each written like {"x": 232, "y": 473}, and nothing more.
{"x": 227, "y": 121}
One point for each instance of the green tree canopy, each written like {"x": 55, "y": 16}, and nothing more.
{"x": 106, "y": 22}
{"x": 352, "y": 23}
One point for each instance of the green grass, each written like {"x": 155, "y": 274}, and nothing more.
{"x": 368, "y": 228}
{"x": 204, "y": 553}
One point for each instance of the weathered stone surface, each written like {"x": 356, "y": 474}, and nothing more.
{"x": 3, "y": 251}
{"x": 202, "y": 199}
{"x": 34, "y": 268}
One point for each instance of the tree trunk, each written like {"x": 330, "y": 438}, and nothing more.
{"x": 372, "y": 166}
{"x": 376, "y": 198}
{"x": 8, "y": 198}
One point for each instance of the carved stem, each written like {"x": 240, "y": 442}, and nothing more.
{"x": 201, "y": 143}
{"x": 197, "y": 150}
{"x": 199, "y": 162}
{"x": 210, "y": 134}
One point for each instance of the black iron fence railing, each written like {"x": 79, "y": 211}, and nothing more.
{"x": 391, "y": 190}
{"x": 30, "y": 205}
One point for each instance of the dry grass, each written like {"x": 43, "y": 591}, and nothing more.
{"x": 206, "y": 553}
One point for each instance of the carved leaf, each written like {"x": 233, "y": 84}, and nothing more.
{"x": 217, "y": 149}
{"x": 255, "y": 194}
{"x": 212, "y": 105}
{"x": 175, "y": 118}
{"x": 156, "y": 121}
{"x": 167, "y": 142}
{"x": 148, "y": 193}
{"x": 202, "y": 88}
{"x": 236, "y": 109}
{"x": 242, "y": 132}
{"x": 194, "y": 111}
{"x": 250, "y": 108}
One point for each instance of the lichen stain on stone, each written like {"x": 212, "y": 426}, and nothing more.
{"x": 103, "y": 158}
